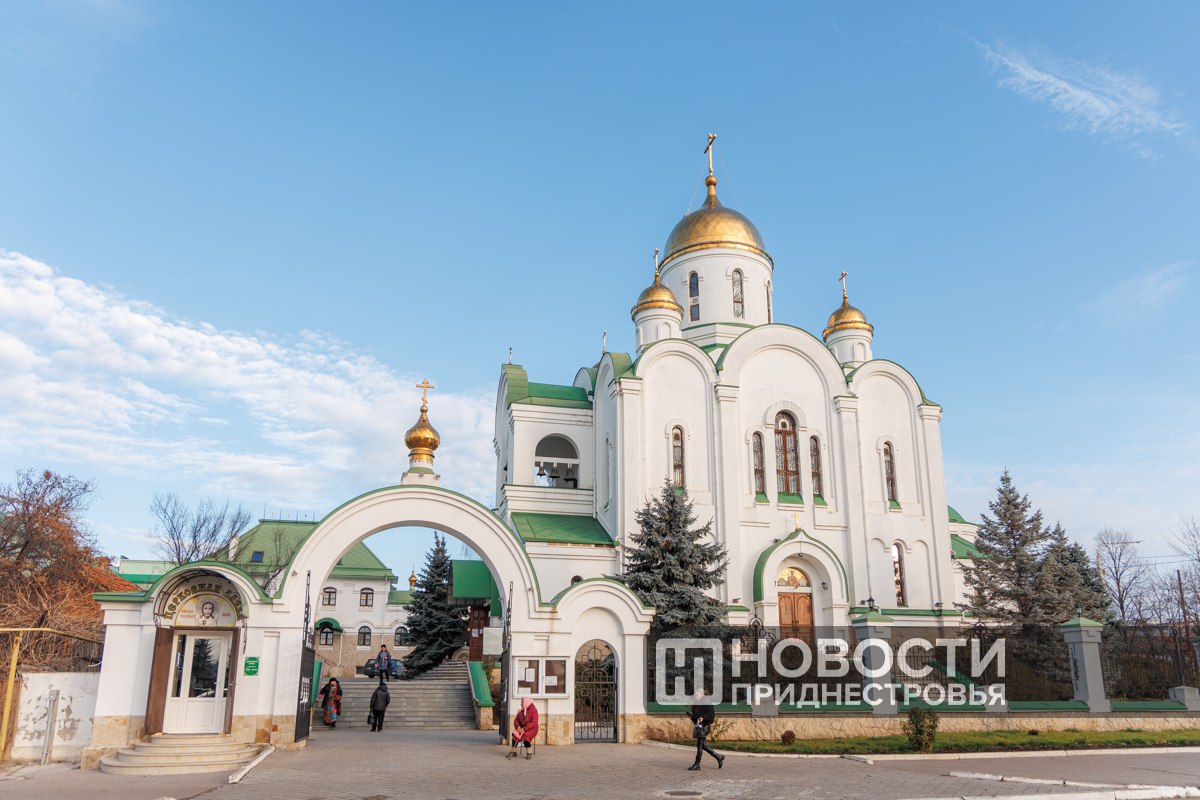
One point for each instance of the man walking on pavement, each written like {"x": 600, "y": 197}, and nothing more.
{"x": 380, "y": 699}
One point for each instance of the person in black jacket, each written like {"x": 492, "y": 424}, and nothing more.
{"x": 703, "y": 715}
{"x": 380, "y": 699}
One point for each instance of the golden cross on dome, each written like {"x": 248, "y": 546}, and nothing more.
{"x": 657, "y": 250}
{"x": 604, "y": 342}
{"x": 708, "y": 148}
{"x": 842, "y": 278}
{"x": 425, "y": 386}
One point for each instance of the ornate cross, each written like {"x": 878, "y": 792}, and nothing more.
{"x": 796, "y": 518}
{"x": 603, "y": 342}
{"x": 842, "y": 278}
{"x": 425, "y": 386}
{"x": 510, "y": 355}
{"x": 657, "y": 250}
{"x": 712, "y": 137}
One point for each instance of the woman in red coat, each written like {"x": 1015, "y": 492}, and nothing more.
{"x": 331, "y": 702}
{"x": 525, "y": 728}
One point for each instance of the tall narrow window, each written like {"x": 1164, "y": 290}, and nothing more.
{"x": 889, "y": 472}
{"x": 677, "y": 473}
{"x": 814, "y": 455}
{"x": 898, "y": 574}
{"x": 366, "y": 598}
{"x": 787, "y": 468}
{"x": 760, "y": 478}
{"x": 364, "y": 636}
{"x": 694, "y": 294}
{"x": 739, "y": 305}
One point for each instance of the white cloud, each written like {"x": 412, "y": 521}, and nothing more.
{"x": 1121, "y": 107}
{"x": 97, "y": 378}
{"x": 1142, "y": 294}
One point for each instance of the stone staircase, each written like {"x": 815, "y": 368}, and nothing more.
{"x": 177, "y": 754}
{"x": 441, "y": 698}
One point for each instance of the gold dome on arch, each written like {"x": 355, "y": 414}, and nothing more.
{"x": 656, "y": 296}
{"x": 714, "y": 225}
{"x": 847, "y": 317}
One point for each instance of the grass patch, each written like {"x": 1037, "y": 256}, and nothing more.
{"x": 973, "y": 742}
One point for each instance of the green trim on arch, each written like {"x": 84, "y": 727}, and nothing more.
{"x": 925, "y": 401}
{"x": 761, "y": 565}
{"x": 333, "y": 623}
{"x": 559, "y": 597}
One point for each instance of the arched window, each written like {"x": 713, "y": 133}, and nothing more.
{"x": 814, "y": 455}
{"x": 898, "y": 574}
{"x": 366, "y": 598}
{"x": 325, "y": 636}
{"x": 787, "y": 468}
{"x": 760, "y": 478}
{"x": 694, "y": 294}
{"x": 401, "y": 637}
{"x": 556, "y": 462}
{"x": 329, "y": 597}
{"x": 889, "y": 472}
{"x": 677, "y": 471}
{"x": 739, "y": 305}
{"x": 364, "y": 636}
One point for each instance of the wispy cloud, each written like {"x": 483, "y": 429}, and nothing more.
{"x": 97, "y": 378}
{"x": 1144, "y": 293}
{"x": 1120, "y": 107}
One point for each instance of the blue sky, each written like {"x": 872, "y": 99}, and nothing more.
{"x": 232, "y": 236}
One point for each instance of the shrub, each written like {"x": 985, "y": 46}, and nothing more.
{"x": 1033, "y": 732}
{"x": 921, "y": 729}
{"x": 788, "y": 737}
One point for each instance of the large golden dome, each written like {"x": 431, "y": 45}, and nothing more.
{"x": 656, "y": 296}
{"x": 847, "y": 317}
{"x": 714, "y": 225}
{"x": 422, "y": 439}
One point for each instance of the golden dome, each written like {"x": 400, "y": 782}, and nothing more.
{"x": 714, "y": 225}
{"x": 847, "y": 317}
{"x": 656, "y": 296}
{"x": 422, "y": 439}
{"x": 412, "y": 580}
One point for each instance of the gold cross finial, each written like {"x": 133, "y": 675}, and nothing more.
{"x": 796, "y": 519}
{"x": 603, "y": 342}
{"x": 425, "y": 386}
{"x": 510, "y": 355}
{"x": 708, "y": 148}
{"x": 842, "y": 278}
{"x": 657, "y": 250}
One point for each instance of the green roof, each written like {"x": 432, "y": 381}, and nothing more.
{"x": 560, "y": 529}
{"x": 400, "y": 597}
{"x": 963, "y": 548}
{"x": 471, "y": 580}
{"x": 521, "y": 390}
{"x": 280, "y": 539}
{"x": 957, "y": 517}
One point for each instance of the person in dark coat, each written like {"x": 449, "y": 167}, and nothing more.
{"x": 331, "y": 702}
{"x": 380, "y": 699}
{"x": 703, "y": 715}
{"x": 383, "y": 663}
{"x": 525, "y": 729}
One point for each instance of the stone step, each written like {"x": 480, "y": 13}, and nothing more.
{"x": 190, "y": 738}
{"x": 236, "y": 754}
{"x": 114, "y": 765}
{"x": 166, "y": 748}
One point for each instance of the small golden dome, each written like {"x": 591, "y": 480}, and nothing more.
{"x": 656, "y": 296}
{"x": 422, "y": 439}
{"x": 412, "y": 580}
{"x": 714, "y": 225}
{"x": 847, "y": 317}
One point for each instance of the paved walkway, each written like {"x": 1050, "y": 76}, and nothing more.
{"x": 469, "y": 765}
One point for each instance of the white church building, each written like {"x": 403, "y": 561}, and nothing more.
{"x": 819, "y": 464}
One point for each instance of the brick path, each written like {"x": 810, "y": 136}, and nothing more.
{"x": 469, "y": 765}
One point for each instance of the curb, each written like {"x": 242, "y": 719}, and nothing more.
{"x": 739, "y": 753}
{"x": 258, "y": 759}
{"x": 871, "y": 759}
{"x": 1150, "y": 793}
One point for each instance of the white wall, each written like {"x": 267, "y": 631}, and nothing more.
{"x": 73, "y": 721}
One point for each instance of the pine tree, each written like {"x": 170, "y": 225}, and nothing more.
{"x": 1072, "y": 584}
{"x": 671, "y": 567}
{"x": 1007, "y": 586}
{"x": 435, "y": 628}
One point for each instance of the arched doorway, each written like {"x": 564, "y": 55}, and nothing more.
{"x": 595, "y": 693}
{"x": 795, "y": 602}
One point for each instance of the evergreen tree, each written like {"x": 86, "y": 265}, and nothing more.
{"x": 1007, "y": 587}
{"x": 435, "y": 628}
{"x": 1072, "y": 584}
{"x": 671, "y": 567}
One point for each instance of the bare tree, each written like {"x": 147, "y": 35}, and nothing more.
{"x": 1186, "y": 581}
{"x": 1124, "y": 571}
{"x": 184, "y": 534}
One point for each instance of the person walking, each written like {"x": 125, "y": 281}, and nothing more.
{"x": 525, "y": 729}
{"x": 331, "y": 702}
{"x": 703, "y": 715}
{"x": 380, "y": 699}
{"x": 383, "y": 663}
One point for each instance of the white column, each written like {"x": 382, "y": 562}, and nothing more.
{"x": 726, "y": 470}
{"x": 857, "y": 565}
{"x": 935, "y": 479}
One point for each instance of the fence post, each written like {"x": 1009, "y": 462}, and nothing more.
{"x": 1188, "y": 695}
{"x": 874, "y": 625}
{"x": 1082, "y": 636}
{"x": 51, "y": 727}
